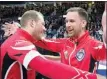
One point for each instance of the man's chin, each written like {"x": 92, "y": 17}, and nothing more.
{"x": 42, "y": 37}
{"x": 70, "y": 35}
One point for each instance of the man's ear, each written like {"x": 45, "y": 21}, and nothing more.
{"x": 32, "y": 23}
{"x": 84, "y": 23}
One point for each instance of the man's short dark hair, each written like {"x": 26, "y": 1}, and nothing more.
{"x": 82, "y": 12}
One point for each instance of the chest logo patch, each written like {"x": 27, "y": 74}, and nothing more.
{"x": 80, "y": 54}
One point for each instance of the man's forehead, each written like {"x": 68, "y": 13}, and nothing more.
{"x": 41, "y": 18}
{"x": 41, "y": 21}
{"x": 72, "y": 15}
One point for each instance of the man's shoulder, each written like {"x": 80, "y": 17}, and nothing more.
{"x": 22, "y": 42}
{"x": 16, "y": 41}
{"x": 95, "y": 42}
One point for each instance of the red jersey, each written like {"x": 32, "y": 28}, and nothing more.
{"x": 18, "y": 53}
{"x": 13, "y": 52}
{"x": 81, "y": 53}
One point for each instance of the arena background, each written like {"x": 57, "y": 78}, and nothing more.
{"x": 11, "y": 11}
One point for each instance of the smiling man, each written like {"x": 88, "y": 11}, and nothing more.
{"x": 21, "y": 60}
{"x": 79, "y": 47}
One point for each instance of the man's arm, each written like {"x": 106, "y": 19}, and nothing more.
{"x": 26, "y": 54}
{"x": 55, "y": 45}
{"x": 99, "y": 51}
{"x": 57, "y": 70}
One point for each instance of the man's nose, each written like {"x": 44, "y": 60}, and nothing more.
{"x": 44, "y": 29}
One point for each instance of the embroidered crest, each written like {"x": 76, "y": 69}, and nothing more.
{"x": 80, "y": 54}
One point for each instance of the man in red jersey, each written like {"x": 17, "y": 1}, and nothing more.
{"x": 20, "y": 58}
{"x": 80, "y": 49}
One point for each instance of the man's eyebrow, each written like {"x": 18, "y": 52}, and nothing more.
{"x": 69, "y": 19}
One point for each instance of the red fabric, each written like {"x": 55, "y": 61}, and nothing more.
{"x": 55, "y": 70}
{"x": 16, "y": 40}
{"x": 48, "y": 68}
{"x": 14, "y": 72}
{"x": 72, "y": 47}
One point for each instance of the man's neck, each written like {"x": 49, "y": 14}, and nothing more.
{"x": 27, "y": 30}
{"x": 79, "y": 35}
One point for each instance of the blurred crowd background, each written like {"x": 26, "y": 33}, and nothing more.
{"x": 53, "y": 12}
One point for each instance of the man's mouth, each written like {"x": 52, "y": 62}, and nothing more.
{"x": 70, "y": 30}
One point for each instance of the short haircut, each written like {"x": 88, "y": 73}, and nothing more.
{"x": 30, "y": 15}
{"x": 82, "y": 12}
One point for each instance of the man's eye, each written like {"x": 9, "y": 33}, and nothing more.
{"x": 72, "y": 21}
{"x": 69, "y": 21}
